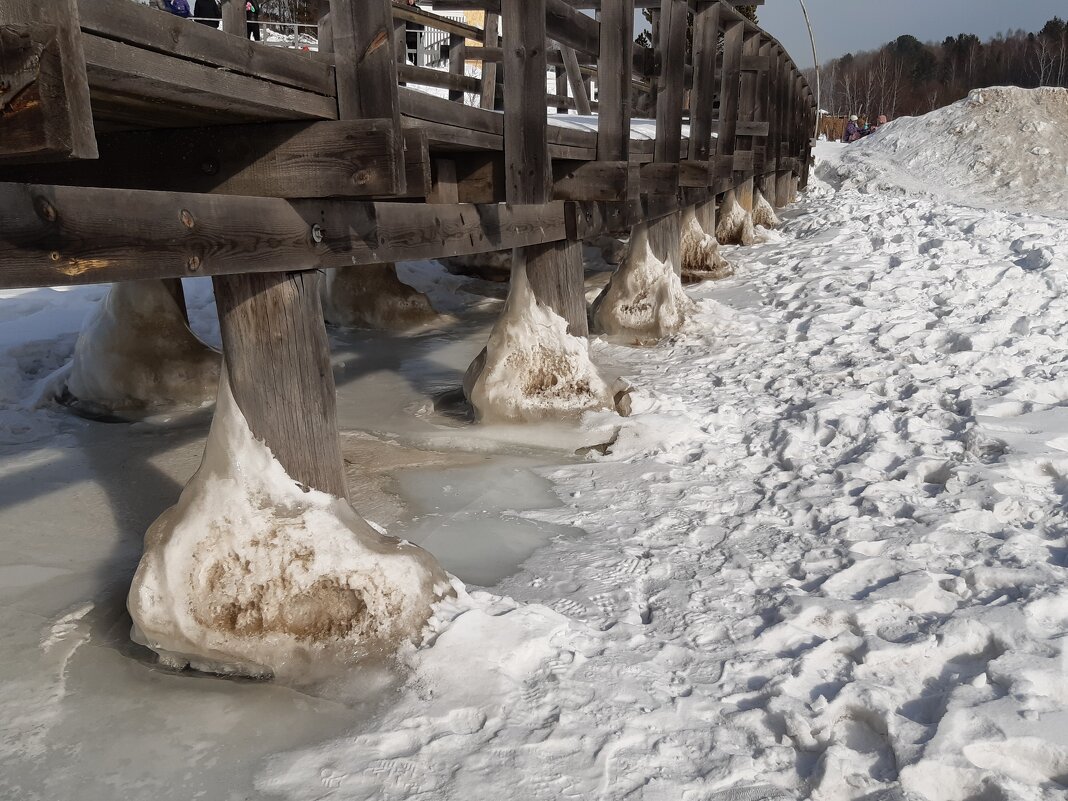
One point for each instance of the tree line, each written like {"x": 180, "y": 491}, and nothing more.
{"x": 907, "y": 77}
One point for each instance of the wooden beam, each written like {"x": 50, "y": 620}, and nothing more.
{"x": 352, "y": 158}
{"x": 149, "y": 28}
{"x": 54, "y": 235}
{"x": 669, "y": 88}
{"x": 574, "y": 79}
{"x": 705, "y": 85}
{"x": 45, "y": 111}
{"x": 525, "y": 127}
{"x": 594, "y": 180}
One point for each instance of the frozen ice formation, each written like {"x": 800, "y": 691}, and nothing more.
{"x": 763, "y": 212}
{"x": 644, "y": 298}
{"x": 249, "y": 574}
{"x": 699, "y": 250}
{"x": 735, "y": 224}
{"x": 137, "y": 352}
{"x": 373, "y": 297}
{"x": 532, "y": 368}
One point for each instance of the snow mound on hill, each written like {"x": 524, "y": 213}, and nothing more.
{"x": 1002, "y": 147}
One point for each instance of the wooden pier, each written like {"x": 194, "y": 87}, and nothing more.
{"x": 137, "y": 145}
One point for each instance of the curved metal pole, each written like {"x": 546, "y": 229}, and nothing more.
{"x": 816, "y": 66}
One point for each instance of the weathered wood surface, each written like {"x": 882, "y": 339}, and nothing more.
{"x": 45, "y": 110}
{"x": 488, "y": 95}
{"x": 54, "y": 235}
{"x": 164, "y": 33}
{"x": 273, "y": 336}
{"x": 574, "y": 80}
{"x": 613, "y": 130}
{"x": 288, "y": 159}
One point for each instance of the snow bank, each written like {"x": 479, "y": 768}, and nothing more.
{"x": 699, "y": 251}
{"x": 1003, "y": 147}
{"x": 644, "y": 297}
{"x": 374, "y": 297}
{"x": 249, "y": 574}
{"x": 734, "y": 225}
{"x": 137, "y": 352}
{"x": 532, "y": 368}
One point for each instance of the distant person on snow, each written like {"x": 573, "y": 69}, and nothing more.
{"x": 207, "y": 12}
{"x": 852, "y": 131}
{"x": 252, "y": 15}
{"x": 881, "y": 121}
{"x": 180, "y": 8}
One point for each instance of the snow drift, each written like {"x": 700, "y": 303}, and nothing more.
{"x": 644, "y": 297}
{"x": 532, "y": 368}
{"x": 137, "y": 352}
{"x": 249, "y": 574}
{"x": 1002, "y": 147}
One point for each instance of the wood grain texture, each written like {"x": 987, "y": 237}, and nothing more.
{"x": 50, "y": 116}
{"x": 56, "y": 235}
{"x": 287, "y": 159}
{"x": 555, "y": 273}
{"x": 277, "y": 358}
{"x": 574, "y": 80}
{"x": 155, "y": 30}
{"x": 526, "y": 152}
{"x": 491, "y": 38}
{"x": 705, "y": 80}
{"x": 671, "y": 48}
{"x": 614, "y": 80}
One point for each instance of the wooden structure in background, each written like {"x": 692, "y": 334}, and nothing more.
{"x": 137, "y": 145}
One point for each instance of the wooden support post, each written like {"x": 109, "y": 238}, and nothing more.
{"x": 367, "y": 67}
{"x": 489, "y": 68}
{"x": 44, "y": 91}
{"x": 561, "y": 88}
{"x": 456, "y": 64}
{"x": 553, "y": 270}
{"x": 705, "y": 87}
{"x": 278, "y": 363}
{"x": 747, "y": 102}
{"x": 664, "y": 232}
{"x": 733, "y": 42}
{"x": 234, "y": 19}
{"x": 574, "y": 79}
{"x": 614, "y": 72}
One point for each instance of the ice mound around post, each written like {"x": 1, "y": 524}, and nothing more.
{"x": 532, "y": 368}
{"x": 249, "y": 574}
{"x": 735, "y": 224}
{"x": 699, "y": 250}
{"x": 644, "y": 298}
{"x": 372, "y": 296}
{"x": 137, "y": 352}
{"x": 1003, "y": 147}
{"x": 763, "y": 212}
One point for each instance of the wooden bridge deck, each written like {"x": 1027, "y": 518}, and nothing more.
{"x": 170, "y": 148}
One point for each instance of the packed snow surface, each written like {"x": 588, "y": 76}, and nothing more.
{"x": 1003, "y": 148}
{"x": 824, "y": 558}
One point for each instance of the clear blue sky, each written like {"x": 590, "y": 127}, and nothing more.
{"x": 844, "y": 26}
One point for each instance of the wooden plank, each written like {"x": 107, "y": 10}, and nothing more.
{"x": 659, "y": 178}
{"x": 669, "y": 83}
{"x": 56, "y": 235}
{"x": 489, "y": 69}
{"x": 527, "y": 166}
{"x": 45, "y": 110}
{"x": 367, "y": 65}
{"x": 233, "y": 18}
{"x": 456, "y": 83}
{"x": 614, "y": 70}
{"x": 125, "y": 70}
{"x": 733, "y": 41}
{"x": 444, "y": 185}
{"x": 593, "y": 180}
{"x": 273, "y": 337}
{"x": 289, "y": 159}
{"x": 437, "y": 22}
{"x": 420, "y": 105}
{"x": 574, "y": 79}
{"x": 705, "y": 87}
{"x": 152, "y": 29}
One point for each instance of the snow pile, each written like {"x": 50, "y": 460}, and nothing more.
{"x": 373, "y": 297}
{"x": 1004, "y": 148}
{"x": 734, "y": 225}
{"x": 532, "y": 368}
{"x": 699, "y": 251}
{"x": 137, "y": 352}
{"x": 249, "y": 574}
{"x": 644, "y": 298}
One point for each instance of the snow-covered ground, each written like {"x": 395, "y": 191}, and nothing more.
{"x": 825, "y": 557}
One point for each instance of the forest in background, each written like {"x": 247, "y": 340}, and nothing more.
{"x": 907, "y": 77}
